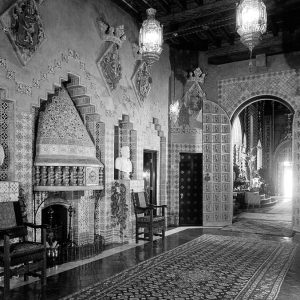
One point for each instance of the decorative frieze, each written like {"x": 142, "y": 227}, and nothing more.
{"x": 36, "y": 83}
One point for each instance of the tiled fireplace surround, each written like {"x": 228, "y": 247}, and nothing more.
{"x": 83, "y": 207}
{"x": 82, "y": 202}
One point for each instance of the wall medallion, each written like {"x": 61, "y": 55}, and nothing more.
{"x": 142, "y": 81}
{"x": 24, "y": 28}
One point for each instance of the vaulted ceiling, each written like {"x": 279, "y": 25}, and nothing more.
{"x": 209, "y": 25}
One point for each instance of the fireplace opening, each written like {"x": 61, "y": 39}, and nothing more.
{"x": 56, "y": 218}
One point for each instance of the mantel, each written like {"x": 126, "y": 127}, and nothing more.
{"x": 56, "y": 188}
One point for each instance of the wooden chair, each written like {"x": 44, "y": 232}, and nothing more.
{"x": 147, "y": 218}
{"x": 20, "y": 256}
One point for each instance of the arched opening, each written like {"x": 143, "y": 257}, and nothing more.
{"x": 56, "y": 217}
{"x": 262, "y": 157}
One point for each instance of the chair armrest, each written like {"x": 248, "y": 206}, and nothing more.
{"x": 9, "y": 231}
{"x": 43, "y": 226}
{"x": 150, "y": 207}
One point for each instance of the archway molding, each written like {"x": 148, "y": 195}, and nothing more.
{"x": 263, "y": 97}
{"x": 289, "y": 101}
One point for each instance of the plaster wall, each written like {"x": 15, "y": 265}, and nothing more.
{"x": 73, "y": 46}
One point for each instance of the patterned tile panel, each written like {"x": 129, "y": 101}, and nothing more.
{"x": 296, "y": 171}
{"x": 234, "y": 91}
{"x": 6, "y": 137}
{"x": 217, "y": 185}
{"x": 9, "y": 191}
{"x": 23, "y": 156}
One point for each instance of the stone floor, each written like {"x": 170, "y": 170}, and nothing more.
{"x": 69, "y": 278}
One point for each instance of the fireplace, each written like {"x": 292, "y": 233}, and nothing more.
{"x": 67, "y": 173}
{"x": 56, "y": 218}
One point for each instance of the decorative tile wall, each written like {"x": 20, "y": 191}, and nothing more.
{"x": 6, "y": 136}
{"x": 85, "y": 211}
{"x": 296, "y": 170}
{"x": 23, "y": 156}
{"x": 217, "y": 173}
{"x": 9, "y": 191}
{"x": 235, "y": 91}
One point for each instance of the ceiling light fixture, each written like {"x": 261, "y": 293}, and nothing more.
{"x": 251, "y": 22}
{"x": 151, "y": 38}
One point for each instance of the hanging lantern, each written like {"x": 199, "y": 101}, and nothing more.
{"x": 151, "y": 37}
{"x": 251, "y": 22}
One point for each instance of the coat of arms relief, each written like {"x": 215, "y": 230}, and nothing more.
{"x": 109, "y": 63}
{"x": 142, "y": 81}
{"x": 23, "y": 26}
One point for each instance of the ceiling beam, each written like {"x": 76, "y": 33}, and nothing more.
{"x": 199, "y": 2}
{"x": 155, "y": 4}
{"x": 129, "y": 8}
{"x": 271, "y": 45}
{"x": 217, "y": 42}
{"x": 199, "y": 12}
{"x": 239, "y": 47}
{"x": 181, "y": 3}
{"x": 200, "y": 27}
{"x": 229, "y": 37}
{"x": 219, "y": 7}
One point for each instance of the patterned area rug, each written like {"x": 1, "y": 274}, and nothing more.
{"x": 209, "y": 267}
{"x": 279, "y": 228}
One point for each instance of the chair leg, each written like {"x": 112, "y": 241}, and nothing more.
{"x": 44, "y": 270}
{"x": 26, "y": 275}
{"x": 163, "y": 232}
{"x": 151, "y": 234}
{"x": 136, "y": 234}
{"x": 6, "y": 280}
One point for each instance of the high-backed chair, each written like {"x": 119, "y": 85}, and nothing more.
{"x": 19, "y": 256}
{"x": 147, "y": 218}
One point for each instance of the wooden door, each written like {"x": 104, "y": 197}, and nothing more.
{"x": 190, "y": 189}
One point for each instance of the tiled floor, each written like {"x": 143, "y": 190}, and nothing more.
{"x": 72, "y": 277}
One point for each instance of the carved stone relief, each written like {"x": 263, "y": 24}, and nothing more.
{"x": 23, "y": 26}
{"x": 110, "y": 67}
{"x": 109, "y": 63}
{"x": 142, "y": 81}
{"x": 190, "y": 111}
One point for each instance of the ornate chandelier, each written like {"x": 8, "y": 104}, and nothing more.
{"x": 251, "y": 22}
{"x": 151, "y": 37}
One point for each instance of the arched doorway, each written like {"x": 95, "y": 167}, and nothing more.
{"x": 265, "y": 123}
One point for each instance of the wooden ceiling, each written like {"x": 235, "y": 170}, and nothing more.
{"x": 209, "y": 25}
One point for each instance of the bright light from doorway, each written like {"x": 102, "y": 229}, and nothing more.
{"x": 287, "y": 179}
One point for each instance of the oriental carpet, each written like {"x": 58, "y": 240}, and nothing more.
{"x": 208, "y": 267}
{"x": 278, "y": 228}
